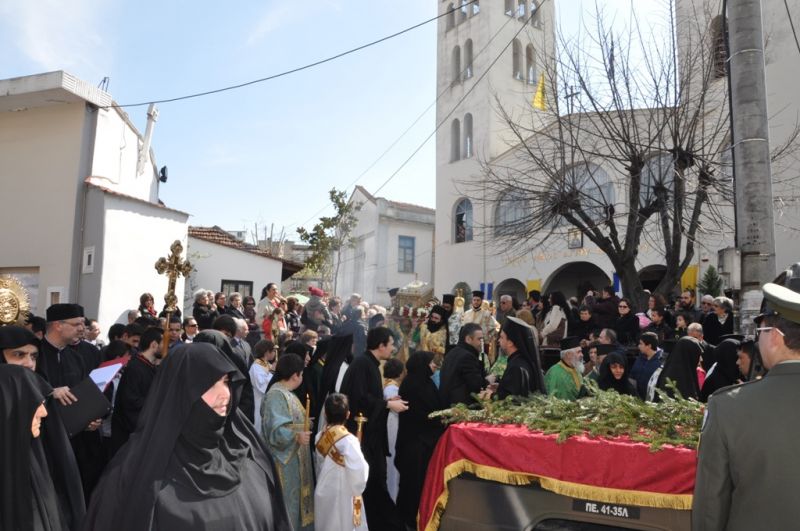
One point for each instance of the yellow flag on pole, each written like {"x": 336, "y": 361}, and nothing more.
{"x": 538, "y": 98}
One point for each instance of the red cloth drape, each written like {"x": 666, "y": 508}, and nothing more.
{"x": 607, "y": 470}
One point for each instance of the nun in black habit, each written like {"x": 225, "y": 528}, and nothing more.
{"x": 724, "y": 372}
{"x": 14, "y": 342}
{"x": 417, "y": 434}
{"x": 523, "y": 374}
{"x": 681, "y": 368}
{"x": 193, "y": 463}
{"x": 27, "y": 496}
{"x": 218, "y": 339}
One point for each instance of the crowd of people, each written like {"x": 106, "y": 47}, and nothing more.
{"x": 273, "y": 414}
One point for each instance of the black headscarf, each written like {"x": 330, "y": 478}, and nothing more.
{"x": 681, "y": 368}
{"x": 340, "y": 350}
{"x": 606, "y": 379}
{"x": 725, "y": 372}
{"x": 180, "y": 438}
{"x": 27, "y": 496}
{"x": 223, "y": 344}
{"x": 521, "y": 334}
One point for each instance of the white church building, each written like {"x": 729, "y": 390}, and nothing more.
{"x": 494, "y": 54}
{"x": 81, "y": 219}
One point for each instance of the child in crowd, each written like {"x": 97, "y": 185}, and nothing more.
{"x": 342, "y": 472}
{"x": 393, "y": 371}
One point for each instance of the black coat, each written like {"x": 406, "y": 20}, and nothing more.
{"x": 131, "y": 394}
{"x": 713, "y": 329}
{"x": 204, "y": 316}
{"x": 604, "y": 312}
{"x": 517, "y": 378}
{"x": 460, "y": 376}
{"x": 627, "y": 329}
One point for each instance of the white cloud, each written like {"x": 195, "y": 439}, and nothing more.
{"x": 58, "y": 35}
{"x": 276, "y": 15}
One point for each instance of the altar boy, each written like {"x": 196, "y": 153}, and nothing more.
{"x": 342, "y": 472}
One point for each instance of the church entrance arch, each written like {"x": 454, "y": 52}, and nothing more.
{"x": 466, "y": 292}
{"x": 575, "y": 279}
{"x": 510, "y": 286}
{"x": 651, "y": 276}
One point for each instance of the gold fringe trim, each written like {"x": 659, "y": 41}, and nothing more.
{"x": 656, "y": 500}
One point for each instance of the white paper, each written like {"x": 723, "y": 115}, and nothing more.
{"x": 102, "y": 376}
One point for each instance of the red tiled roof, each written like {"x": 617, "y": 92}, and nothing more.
{"x": 219, "y": 236}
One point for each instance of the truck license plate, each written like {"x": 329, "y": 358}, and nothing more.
{"x": 606, "y": 509}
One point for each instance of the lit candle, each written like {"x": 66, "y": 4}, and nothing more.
{"x": 307, "y": 423}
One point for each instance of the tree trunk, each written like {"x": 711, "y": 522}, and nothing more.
{"x": 631, "y": 284}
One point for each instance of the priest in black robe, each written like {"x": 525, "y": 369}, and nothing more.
{"x": 63, "y": 368}
{"x": 523, "y": 374}
{"x": 134, "y": 385}
{"x": 195, "y": 462}
{"x": 363, "y": 386}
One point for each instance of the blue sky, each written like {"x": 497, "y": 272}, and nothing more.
{"x": 268, "y": 153}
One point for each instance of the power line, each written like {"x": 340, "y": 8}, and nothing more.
{"x": 404, "y": 133}
{"x": 791, "y": 23}
{"x": 459, "y": 102}
{"x": 299, "y": 68}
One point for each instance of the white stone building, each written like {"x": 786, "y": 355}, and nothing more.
{"x": 81, "y": 217}
{"x": 225, "y": 263}
{"x": 393, "y": 245}
{"x": 474, "y": 134}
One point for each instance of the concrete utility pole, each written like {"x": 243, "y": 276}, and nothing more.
{"x": 752, "y": 177}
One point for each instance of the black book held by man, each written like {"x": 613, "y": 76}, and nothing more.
{"x": 91, "y": 405}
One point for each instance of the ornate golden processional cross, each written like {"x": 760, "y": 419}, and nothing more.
{"x": 173, "y": 267}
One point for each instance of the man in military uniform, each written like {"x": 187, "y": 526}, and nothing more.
{"x": 748, "y": 472}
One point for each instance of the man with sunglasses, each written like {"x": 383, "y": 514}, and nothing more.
{"x": 748, "y": 472}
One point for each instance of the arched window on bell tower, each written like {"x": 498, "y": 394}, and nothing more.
{"x": 455, "y": 140}
{"x": 516, "y": 59}
{"x": 451, "y": 16}
{"x": 456, "y": 73}
{"x": 468, "y": 59}
{"x": 468, "y": 142}
{"x": 530, "y": 65}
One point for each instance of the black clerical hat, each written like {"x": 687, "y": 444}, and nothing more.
{"x": 448, "y": 298}
{"x": 63, "y": 311}
{"x": 569, "y": 343}
{"x": 477, "y": 293}
{"x": 15, "y": 336}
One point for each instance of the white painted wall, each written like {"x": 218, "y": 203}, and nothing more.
{"x": 213, "y": 263}
{"x": 115, "y": 156}
{"x": 136, "y": 236}
{"x": 40, "y": 160}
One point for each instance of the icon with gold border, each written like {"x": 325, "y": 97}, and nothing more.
{"x": 14, "y": 301}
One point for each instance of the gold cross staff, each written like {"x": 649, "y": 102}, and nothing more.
{"x": 173, "y": 267}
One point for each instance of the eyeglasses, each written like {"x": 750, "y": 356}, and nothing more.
{"x": 768, "y": 328}
{"x": 74, "y": 325}
{"x": 193, "y": 325}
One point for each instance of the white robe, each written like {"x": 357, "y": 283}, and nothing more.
{"x": 392, "y": 422}
{"x": 337, "y": 485}
{"x": 259, "y": 377}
